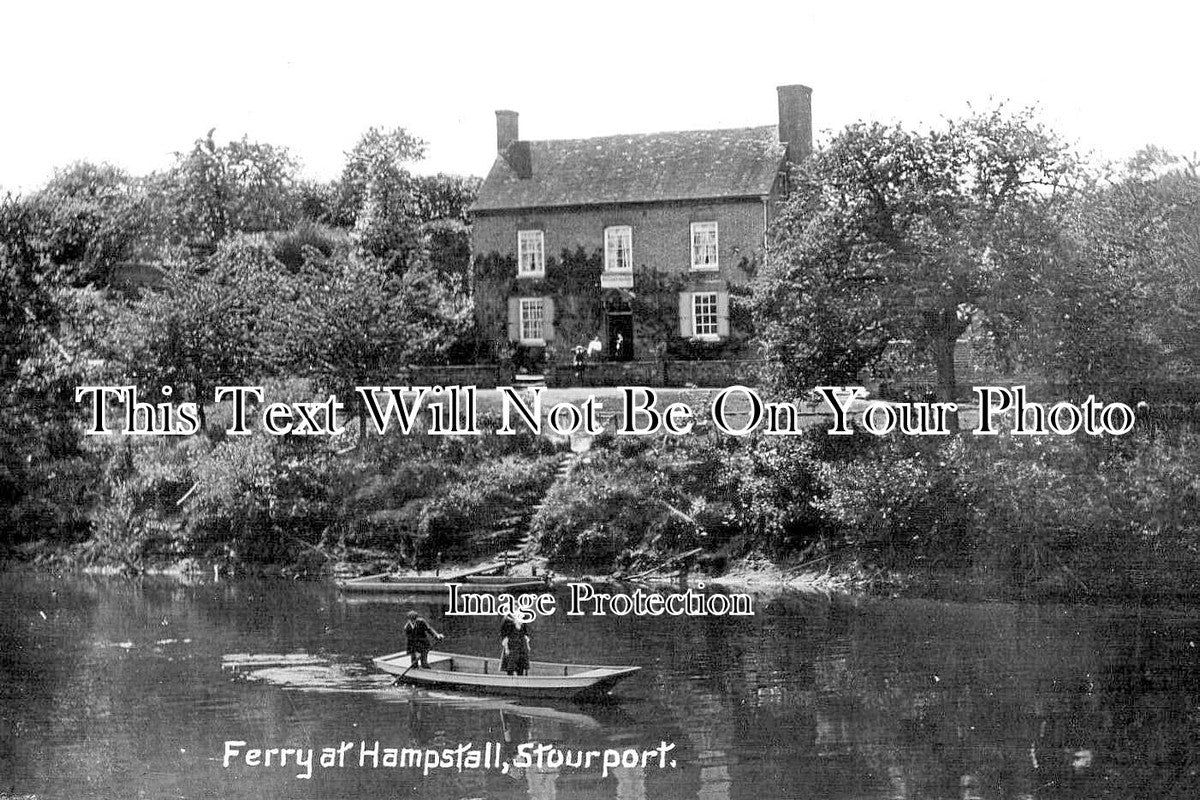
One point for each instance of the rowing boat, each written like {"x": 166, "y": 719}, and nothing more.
{"x": 414, "y": 584}
{"x": 479, "y": 674}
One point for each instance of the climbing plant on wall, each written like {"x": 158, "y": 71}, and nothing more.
{"x": 572, "y": 281}
{"x": 575, "y": 286}
{"x": 655, "y": 304}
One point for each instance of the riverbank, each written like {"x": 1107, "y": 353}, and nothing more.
{"x": 1087, "y": 517}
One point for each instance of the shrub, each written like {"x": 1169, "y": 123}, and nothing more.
{"x": 460, "y": 519}
{"x": 910, "y": 501}
{"x": 610, "y": 507}
{"x": 289, "y": 246}
{"x": 778, "y": 484}
{"x": 259, "y": 498}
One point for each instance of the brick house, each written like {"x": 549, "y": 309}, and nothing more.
{"x": 637, "y": 240}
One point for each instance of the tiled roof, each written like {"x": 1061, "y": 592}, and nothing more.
{"x": 681, "y": 165}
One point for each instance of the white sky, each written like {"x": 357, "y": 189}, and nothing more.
{"x": 132, "y": 82}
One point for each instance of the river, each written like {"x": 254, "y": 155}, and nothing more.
{"x": 132, "y": 688}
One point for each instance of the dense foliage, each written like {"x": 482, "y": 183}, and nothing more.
{"x": 1122, "y": 308}
{"x": 223, "y": 269}
{"x": 892, "y": 235}
{"x": 891, "y": 239}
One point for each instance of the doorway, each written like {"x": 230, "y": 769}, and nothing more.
{"x": 620, "y": 335}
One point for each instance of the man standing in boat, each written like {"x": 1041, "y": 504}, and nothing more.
{"x": 514, "y": 646}
{"x": 417, "y": 633}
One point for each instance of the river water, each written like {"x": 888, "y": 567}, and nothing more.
{"x": 117, "y": 688}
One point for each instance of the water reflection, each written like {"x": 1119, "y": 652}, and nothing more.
{"x": 117, "y": 688}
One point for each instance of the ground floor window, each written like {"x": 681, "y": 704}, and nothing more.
{"x": 704, "y": 314}
{"x": 532, "y": 320}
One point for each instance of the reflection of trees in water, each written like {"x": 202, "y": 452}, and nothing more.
{"x": 928, "y": 699}
{"x": 1002, "y": 701}
{"x": 866, "y": 699}
{"x": 135, "y": 700}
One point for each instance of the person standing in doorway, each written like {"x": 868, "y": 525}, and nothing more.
{"x": 579, "y": 363}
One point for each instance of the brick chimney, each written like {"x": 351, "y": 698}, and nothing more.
{"x": 795, "y": 121}
{"x": 506, "y": 129}
{"x": 509, "y": 144}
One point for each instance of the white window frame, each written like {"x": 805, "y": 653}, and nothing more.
{"x": 531, "y": 247}
{"x": 528, "y": 324}
{"x": 701, "y": 228}
{"x": 711, "y": 313}
{"x": 612, "y": 248}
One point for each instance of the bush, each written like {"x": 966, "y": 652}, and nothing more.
{"x": 902, "y": 501}
{"x": 611, "y": 508}
{"x": 289, "y": 246}
{"x": 460, "y": 519}
{"x": 1092, "y": 517}
{"x": 260, "y": 498}
{"x": 778, "y": 484}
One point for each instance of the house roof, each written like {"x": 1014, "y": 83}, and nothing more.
{"x": 640, "y": 168}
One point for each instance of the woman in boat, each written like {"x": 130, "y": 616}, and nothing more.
{"x": 416, "y": 634}
{"x": 514, "y": 646}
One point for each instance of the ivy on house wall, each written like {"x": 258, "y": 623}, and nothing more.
{"x": 655, "y": 305}
{"x": 493, "y": 277}
{"x": 656, "y": 315}
{"x": 573, "y": 282}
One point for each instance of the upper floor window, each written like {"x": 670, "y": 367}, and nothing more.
{"x": 704, "y": 245}
{"x": 532, "y": 320}
{"x": 704, "y": 315}
{"x": 531, "y": 254}
{"x": 618, "y": 249}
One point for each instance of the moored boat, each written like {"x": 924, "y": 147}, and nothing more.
{"x": 480, "y": 674}
{"x": 423, "y": 584}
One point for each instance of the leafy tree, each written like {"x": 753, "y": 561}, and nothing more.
{"x": 49, "y": 338}
{"x": 24, "y": 298}
{"x": 214, "y": 191}
{"x": 448, "y": 244}
{"x": 1125, "y": 307}
{"x": 352, "y": 321}
{"x": 381, "y": 195}
{"x": 207, "y": 326}
{"x": 88, "y": 218}
{"x": 892, "y": 235}
{"x": 23, "y": 301}
{"x": 443, "y": 196}
{"x": 320, "y": 202}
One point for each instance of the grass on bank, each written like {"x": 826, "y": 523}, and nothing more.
{"x": 1091, "y": 517}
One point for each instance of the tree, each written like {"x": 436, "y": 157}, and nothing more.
{"x": 207, "y": 326}
{"x": 892, "y": 235}
{"x": 24, "y": 299}
{"x": 1125, "y": 307}
{"x": 381, "y": 195}
{"x": 443, "y": 196}
{"x": 352, "y": 321}
{"x": 89, "y": 218}
{"x": 47, "y": 343}
{"x": 214, "y": 191}
{"x": 448, "y": 244}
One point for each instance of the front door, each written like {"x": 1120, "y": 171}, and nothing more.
{"x": 620, "y": 335}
